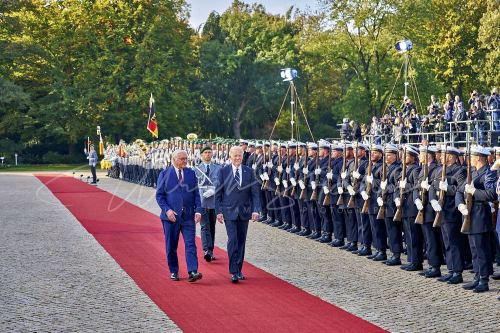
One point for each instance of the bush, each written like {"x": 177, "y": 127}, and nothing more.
{"x": 52, "y": 157}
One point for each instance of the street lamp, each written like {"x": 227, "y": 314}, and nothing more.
{"x": 288, "y": 74}
{"x": 405, "y": 46}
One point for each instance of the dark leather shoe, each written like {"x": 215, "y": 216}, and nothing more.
{"x": 413, "y": 267}
{"x": 241, "y": 277}
{"x": 353, "y": 247}
{"x": 314, "y": 235}
{"x": 287, "y": 226}
{"x": 326, "y": 239}
{"x": 381, "y": 256}
{"x": 482, "y": 286}
{"x": 365, "y": 251}
{"x": 337, "y": 243}
{"x": 433, "y": 272}
{"x": 293, "y": 230}
{"x": 283, "y": 226}
{"x": 372, "y": 256}
{"x": 174, "y": 277}
{"x": 471, "y": 285}
{"x": 306, "y": 233}
{"x": 393, "y": 261}
{"x": 194, "y": 276}
{"x": 276, "y": 224}
{"x": 496, "y": 276}
{"x": 456, "y": 278}
{"x": 345, "y": 246}
{"x": 213, "y": 257}
{"x": 208, "y": 256}
{"x": 445, "y": 278}
{"x": 358, "y": 250}
{"x": 234, "y": 278}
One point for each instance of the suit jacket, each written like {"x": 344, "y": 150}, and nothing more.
{"x": 204, "y": 184}
{"x": 172, "y": 195}
{"x": 233, "y": 201}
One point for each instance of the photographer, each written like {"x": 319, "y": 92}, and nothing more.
{"x": 479, "y": 117}
{"x": 345, "y": 131}
{"x": 448, "y": 108}
{"x": 494, "y": 107}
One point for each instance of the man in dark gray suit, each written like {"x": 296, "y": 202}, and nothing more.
{"x": 236, "y": 202}
{"x": 207, "y": 174}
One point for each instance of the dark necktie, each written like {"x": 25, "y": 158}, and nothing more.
{"x": 237, "y": 176}
{"x": 208, "y": 170}
{"x": 180, "y": 176}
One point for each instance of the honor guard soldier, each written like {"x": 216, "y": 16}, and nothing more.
{"x": 324, "y": 211}
{"x": 298, "y": 164}
{"x": 387, "y": 206}
{"x": 337, "y": 213}
{"x": 307, "y": 190}
{"x": 447, "y": 218}
{"x": 313, "y": 191}
{"x": 364, "y": 230}
{"x": 304, "y": 193}
{"x": 426, "y": 214}
{"x": 290, "y": 204}
{"x": 481, "y": 192}
{"x": 344, "y": 196}
{"x": 370, "y": 189}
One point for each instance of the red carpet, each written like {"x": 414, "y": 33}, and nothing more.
{"x": 134, "y": 238}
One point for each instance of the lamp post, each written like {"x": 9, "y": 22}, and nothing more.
{"x": 288, "y": 75}
{"x": 405, "y": 46}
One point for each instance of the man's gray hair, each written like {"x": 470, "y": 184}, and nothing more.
{"x": 177, "y": 152}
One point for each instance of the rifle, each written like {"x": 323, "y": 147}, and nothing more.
{"x": 340, "y": 201}
{"x": 296, "y": 174}
{"x": 442, "y": 194}
{"x": 381, "y": 210}
{"x": 279, "y": 167}
{"x": 305, "y": 176}
{"x": 314, "y": 195}
{"x": 468, "y": 197}
{"x": 264, "y": 168}
{"x": 352, "y": 199}
{"x": 424, "y": 195}
{"x": 326, "y": 201}
{"x": 399, "y": 210}
{"x": 369, "y": 186}
{"x": 287, "y": 176}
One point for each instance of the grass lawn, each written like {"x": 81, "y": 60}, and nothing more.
{"x": 45, "y": 167}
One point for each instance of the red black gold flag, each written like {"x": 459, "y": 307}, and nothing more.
{"x": 152, "y": 126}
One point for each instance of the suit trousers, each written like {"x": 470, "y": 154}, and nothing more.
{"x": 285, "y": 210}
{"x": 313, "y": 217}
{"x": 366, "y": 230}
{"x": 295, "y": 212}
{"x": 269, "y": 205}
{"x": 236, "y": 239}
{"x": 452, "y": 239}
{"x": 433, "y": 246}
{"x": 481, "y": 254}
{"x": 208, "y": 228}
{"x": 351, "y": 225}
{"x": 326, "y": 218}
{"x": 379, "y": 232}
{"x": 338, "y": 222}
{"x": 394, "y": 231}
{"x": 263, "y": 201}
{"x": 414, "y": 240}
{"x": 172, "y": 231}
{"x": 304, "y": 214}
{"x": 94, "y": 176}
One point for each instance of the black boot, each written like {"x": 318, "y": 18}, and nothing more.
{"x": 365, "y": 251}
{"x": 446, "y": 277}
{"x": 456, "y": 278}
{"x": 327, "y": 238}
{"x": 482, "y": 285}
{"x": 381, "y": 256}
{"x": 473, "y": 284}
{"x": 337, "y": 243}
{"x": 433, "y": 272}
{"x": 395, "y": 260}
{"x": 372, "y": 256}
{"x": 353, "y": 247}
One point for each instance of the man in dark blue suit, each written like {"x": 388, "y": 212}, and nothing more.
{"x": 236, "y": 202}
{"x": 178, "y": 196}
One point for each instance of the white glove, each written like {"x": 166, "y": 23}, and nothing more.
{"x": 293, "y": 182}
{"x": 343, "y": 175}
{"x": 329, "y": 175}
{"x": 317, "y": 172}
{"x": 266, "y": 176}
{"x": 276, "y": 180}
{"x": 383, "y": 185}
{"x": 397, "y": 202}
{"x": 313, "y": 185}
{"x": 350, "y": 190}
{"x": 85, "y": 150}
{"x": 326, "y": 190}
{"x": 402, "y": 184}
{"x": 443, "y": 186}
{"x": 470, "y": 188}
{"x": 492, "y": 206}
{"x": 93, "y": 164}
{"x": 462, "y": 208}
{"x": 340, "y": 190}
{"x": 364, "y": 195}
{"x": 280, "y": 168}
{"x": 356, "y": 174}
{"x": 208, "y": 193}
{"x": 285, "y": 183}
{"x": 305, "y": 171}
{"x": 262, "y": 177}
{"x": 436, "y": 206}
{"x": 228, "y": 162}
{"x": 380, "y": 202}
{"x": 425, "y": 184}
{"x": 302, "y": 185}
{"x": 287, "y": 169}
{"x": 369, "y": 179}
{"x": 296, "y": 166}
{"x": 419, "y": 204}
{"x": 269, "y": 164}
{"x": 254, "y": 166}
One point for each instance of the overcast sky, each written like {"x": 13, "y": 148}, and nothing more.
{"x": 200, "y": 9}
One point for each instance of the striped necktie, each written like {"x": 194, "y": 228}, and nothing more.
{"x": 237, "y": 176}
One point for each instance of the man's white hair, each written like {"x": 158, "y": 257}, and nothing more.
{"x": 177, "y": 152}
{"x": 235, "y": 148}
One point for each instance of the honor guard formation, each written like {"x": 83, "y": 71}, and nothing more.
{"x": 435, "y": 203}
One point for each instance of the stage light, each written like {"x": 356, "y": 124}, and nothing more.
{"x": 288, "y": 74}
{"x": 404, "y": 45}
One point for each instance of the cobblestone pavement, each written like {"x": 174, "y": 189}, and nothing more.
{"x": 386, "y": 296}
{"x": 55, "y": 277}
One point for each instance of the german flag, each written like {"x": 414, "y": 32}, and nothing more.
{"x": 152, "y": 126}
